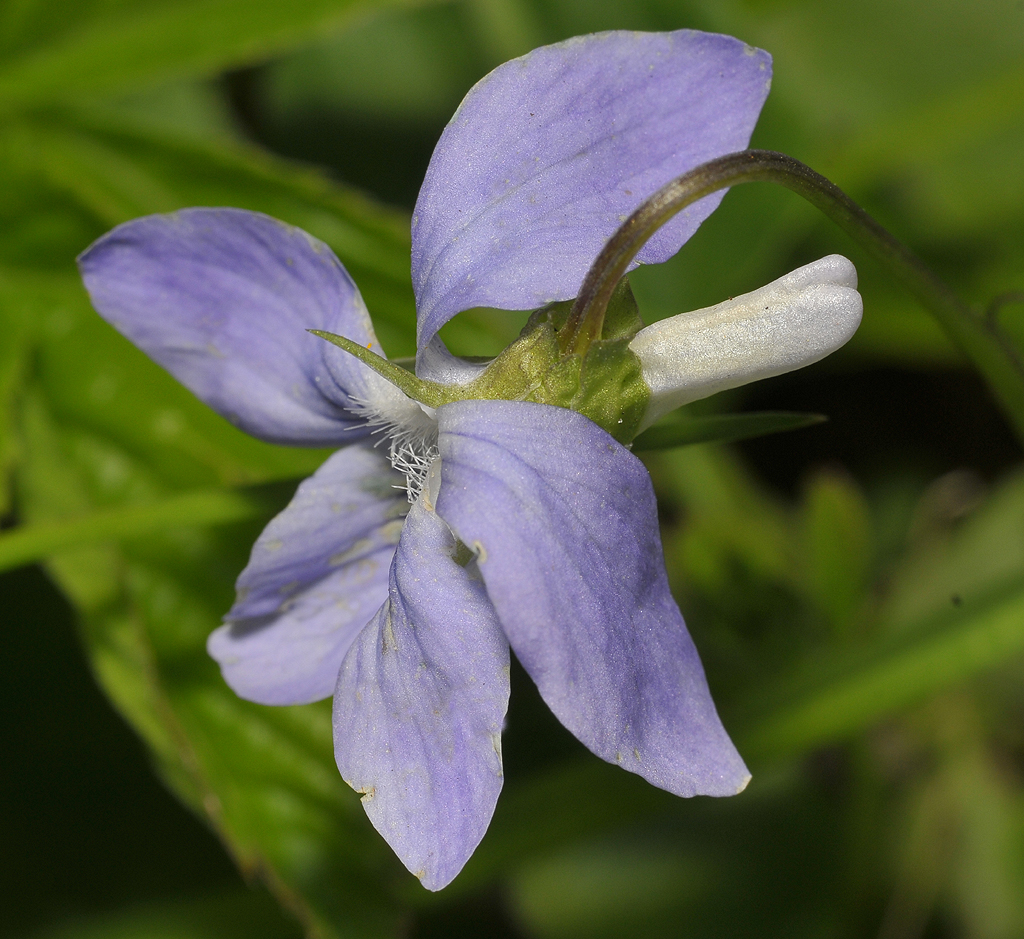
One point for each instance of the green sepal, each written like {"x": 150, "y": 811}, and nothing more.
{"x": 613, "y": 393}
{"x": 605, "y": 383}
{"x": 561, "y": 383}
{"x": 426, "y": 392}
{"x": 524, "y": 370}
{"x": 622, "y": 318}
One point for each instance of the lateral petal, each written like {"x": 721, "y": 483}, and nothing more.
{"x": 419, "y": 706}
{"x": 223, "y": 299}
{"x": 549, "y": 153}
{"x": 317, "y": 575}
{"x": 564, "y": 522}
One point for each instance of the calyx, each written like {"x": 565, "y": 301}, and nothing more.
{"x": 603, "y": 382}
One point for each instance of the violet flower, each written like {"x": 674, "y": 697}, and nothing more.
{"x": 400, "y": 574}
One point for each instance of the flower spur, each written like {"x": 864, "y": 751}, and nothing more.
{"x": 398, "y": 577}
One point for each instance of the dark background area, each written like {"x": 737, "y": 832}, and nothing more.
{"x": 85, "y": 826}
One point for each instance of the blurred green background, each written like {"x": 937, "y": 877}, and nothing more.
{"x": 856, "y": 589}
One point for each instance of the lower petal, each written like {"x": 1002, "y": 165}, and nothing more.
{"x": 419, "y": 706}
{"x": 564, "y": 523}
{"x": 317, "y": 574}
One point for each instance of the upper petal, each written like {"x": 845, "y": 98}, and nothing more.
{"x": 419, "y": 706}
{"x": 564, "y": 521}
{"x": 549, "y": 153}
{"x": 317, "y": 575}
{"x": 222, "y": 299}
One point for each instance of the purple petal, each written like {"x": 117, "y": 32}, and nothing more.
{"x": 317, "y": 575}
{"x": 420, "y": 702}
{"x": 549, "y": 153}
{"x": 565, "y": 524}
{"x": 222, "y": 299}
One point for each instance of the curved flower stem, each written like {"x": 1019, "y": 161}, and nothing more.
{"x": 978, "y": 337}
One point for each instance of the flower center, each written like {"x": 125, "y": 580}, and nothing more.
{"x": 410, "y": 431}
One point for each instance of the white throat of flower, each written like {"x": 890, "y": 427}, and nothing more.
{"x": 408, "y": 428}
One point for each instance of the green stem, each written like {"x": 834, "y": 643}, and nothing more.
{"x": 979, "y": 338}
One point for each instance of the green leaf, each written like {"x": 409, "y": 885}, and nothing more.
{"x": 31, "y": 543}
{"x": 117, "y": 50}
{"x": 837, "y": 547}
{"x": 961, "y": 564}
{"x": 721, "y": 428}
{"x": 954, "y": 609}
{"x": 14, "y": 354}
{"x": 845, "y": 697}
{"x": 113, "y": 171}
